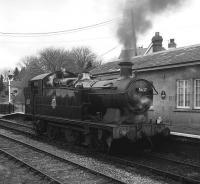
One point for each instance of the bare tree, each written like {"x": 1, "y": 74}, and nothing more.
{"x": 16, "y": 74}
{"x": 32, "y": 64}
{"x": 84, "y": 58}
{"x": 5, "y": 73}
{"x": 1, "y": 83}
{"x": 77, "y": 60}
{"x": 52, "y": 60}
{"x": 30, "y": 68}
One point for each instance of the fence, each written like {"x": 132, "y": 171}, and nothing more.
{"x": 6, "y": 108}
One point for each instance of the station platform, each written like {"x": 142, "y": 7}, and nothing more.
{"x": 15, "y": 113}
{"x": 185, "y": 135}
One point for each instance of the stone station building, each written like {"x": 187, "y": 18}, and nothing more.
{"x": 175, "y": 74}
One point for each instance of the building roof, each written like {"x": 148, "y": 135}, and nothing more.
{"x": 39, "y": 77}
{"x": 167, "y": 58}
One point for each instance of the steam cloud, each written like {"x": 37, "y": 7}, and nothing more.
{"x": 136, "y": 18}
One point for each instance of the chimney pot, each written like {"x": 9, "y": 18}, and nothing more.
{"x": 171, "y": 43}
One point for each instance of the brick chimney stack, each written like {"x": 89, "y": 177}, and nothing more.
{"x": 157, "y": 42}
{"x": 171, "y": 44}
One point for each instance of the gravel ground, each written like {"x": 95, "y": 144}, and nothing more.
{"x": 105, "y": 168}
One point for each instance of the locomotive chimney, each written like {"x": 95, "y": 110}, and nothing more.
{"x": 125, "y": 69}
{"x": 126, "y": 65}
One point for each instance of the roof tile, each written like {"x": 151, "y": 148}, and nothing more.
{"x": 162, "y": 58}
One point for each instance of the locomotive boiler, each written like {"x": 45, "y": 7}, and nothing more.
{"x": 92, "y": 112}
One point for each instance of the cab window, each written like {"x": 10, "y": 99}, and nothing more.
{"x": 35, "y": 87}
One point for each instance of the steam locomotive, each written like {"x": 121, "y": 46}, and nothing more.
{"x": 92, "y": 112}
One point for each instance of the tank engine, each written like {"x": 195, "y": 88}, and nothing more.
{"x": 92, "y": 111}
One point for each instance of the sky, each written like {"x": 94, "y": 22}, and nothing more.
{"x": 42, "y": 16}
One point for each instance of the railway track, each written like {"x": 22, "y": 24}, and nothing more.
{"x": 21, "y": 127}
{"x": 184, "y": 172}
{"x": 163, "y": 156}
{"x": 56, "y": 168}
{"x": 20, "y": 165}
{"x": 161, "y": 164}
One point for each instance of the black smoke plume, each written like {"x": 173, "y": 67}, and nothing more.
{"x": 137, "y": 18}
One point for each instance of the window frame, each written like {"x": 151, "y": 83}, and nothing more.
{"x": 184, "y": 94}
{"x": 195, "y": 102}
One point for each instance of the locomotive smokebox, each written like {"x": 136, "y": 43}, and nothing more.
{"x": 125, "y": 69}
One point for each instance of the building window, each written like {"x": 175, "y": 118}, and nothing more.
{"x": 183, "y": 94}
{"x": 197, "y": 93}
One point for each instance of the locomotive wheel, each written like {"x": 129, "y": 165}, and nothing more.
{"x": 52, "y": 132}
{"x": 40, "y": 127}
{"x": 166, "y": 132}
{"x": 98, "y": 145}
{"x": 72, "y": 137}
